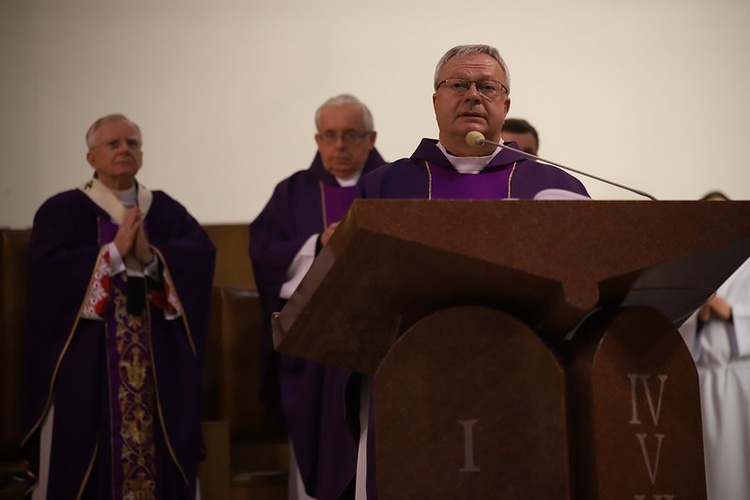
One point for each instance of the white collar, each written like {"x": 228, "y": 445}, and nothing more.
{"x": 112, "y": 201}
{"x": 348, "y": 181}
{"x": 467, "y": 164}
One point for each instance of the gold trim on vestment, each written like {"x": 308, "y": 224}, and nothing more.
{"x": 188, "y": 331}
{"x": 87, "y": 475}
{"x": 510, "y": 178}
{"x": 63, "y": 351}
{"x": 323, "y": 204}
{"x": 112, "y": 450}
{"x": 135, "y": 457}
{"x": 160, "y": 411}
{"x": 429, "y": 180}
{"x": 34, "y": 485}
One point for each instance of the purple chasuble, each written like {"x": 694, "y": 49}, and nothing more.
{"x": 311, "y": 398}
{"x": 408, "y": 178}
{"x": 336, "y": 201}
{"x": 451, "y": 185}
{"x": 102, "y": 379}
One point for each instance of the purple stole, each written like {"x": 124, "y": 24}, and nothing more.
{"x": 131, "y": 429}
{"x": 448, "y": 184}
{"x": 336, "y": 201}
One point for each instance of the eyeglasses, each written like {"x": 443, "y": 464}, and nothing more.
{"x": 348, "y": 138}
{"x": 113, "y": 144}
{"x": 459, "y": 86}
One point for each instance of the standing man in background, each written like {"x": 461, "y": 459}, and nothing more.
{"x": 119, "y": 296}
{"x": 297, "y": 222}
{"x": 522, "y": 133}
{"x": 718, "y": 335}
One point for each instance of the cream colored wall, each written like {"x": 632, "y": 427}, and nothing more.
{"x": 648, "y": 93}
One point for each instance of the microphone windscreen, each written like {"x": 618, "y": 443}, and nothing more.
{"x": 474, "y": 138}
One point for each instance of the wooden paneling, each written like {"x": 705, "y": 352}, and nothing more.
{"x": 233, "y": 267}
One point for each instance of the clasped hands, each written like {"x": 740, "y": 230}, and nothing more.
{"x": 131, "y": 238}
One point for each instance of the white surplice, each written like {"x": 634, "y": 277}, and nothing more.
{"x": 722, "y": 353}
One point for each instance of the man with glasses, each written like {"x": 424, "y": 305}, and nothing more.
{"x": 472, "y": 93}
{"x": 119, "y": 298}
{"x": 297, "y": 222}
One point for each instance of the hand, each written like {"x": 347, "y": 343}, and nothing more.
{"x": 142, "y": 249}
{"x": 328, "y": 233}
{"x": 715, "y": 308}
{"x": 128, "y": 230}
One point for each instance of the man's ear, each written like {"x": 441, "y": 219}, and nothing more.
{"x": 373, "y": 138}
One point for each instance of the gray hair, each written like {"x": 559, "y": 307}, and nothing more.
{"x": 343, "y": 99}
{"x": 114, "y": 117}
{"x": 462, "y": 50}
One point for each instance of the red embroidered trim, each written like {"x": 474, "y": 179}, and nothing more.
{"x": 102, "y": 286}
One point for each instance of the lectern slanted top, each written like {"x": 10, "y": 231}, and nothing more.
{"x": 548, "y": 263}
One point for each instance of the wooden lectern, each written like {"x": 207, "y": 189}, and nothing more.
{"x": 464, "y": 310}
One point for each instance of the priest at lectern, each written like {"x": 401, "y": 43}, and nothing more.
{"x": 472, "y": 94}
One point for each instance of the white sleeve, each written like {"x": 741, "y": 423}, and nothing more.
{"x": 689, "y": 332}
{"x": 737, "y": 292}
{"x": 741, "y": 323}
{"x": 152, "y": 270}
{"x": 116, "y": 262}
{"x": 299, "y": 267}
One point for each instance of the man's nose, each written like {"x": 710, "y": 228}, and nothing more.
{"x": 473, "y": 92}
{"x": 125, "y": 147}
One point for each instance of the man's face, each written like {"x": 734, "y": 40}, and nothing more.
{"x": 458, "y": 115}
{"x": 343, "y": 139}
{"x": 525, "y": 140}
{"x": 116, "y": 156}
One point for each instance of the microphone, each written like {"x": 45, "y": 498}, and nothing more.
{"x": 476, "y": 138}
